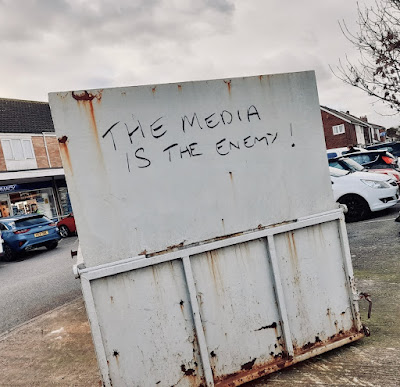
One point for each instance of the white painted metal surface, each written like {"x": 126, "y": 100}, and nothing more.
{"x": 206, "y": 269}
{"x": 203, "y": 187}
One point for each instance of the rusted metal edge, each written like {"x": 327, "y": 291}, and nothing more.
{"x": 242, "y": 377}
{"x": 138, "y": 262}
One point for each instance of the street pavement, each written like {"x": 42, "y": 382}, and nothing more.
{"x": 56, "y": 348}
{"x": 38, "y": 282}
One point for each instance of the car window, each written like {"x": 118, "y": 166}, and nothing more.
{"x": 3, "y": 227}
{"x": 29, "y": 222}
{"x": 361, "y": 158}
{"x": 353, "y": 164}
{"x": 335, "y": 164}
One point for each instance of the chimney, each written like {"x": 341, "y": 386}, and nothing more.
{"x": 364, "y": 118}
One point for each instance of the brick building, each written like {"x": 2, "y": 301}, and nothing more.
{"x": 30, "y": 164}
{"x": 343, "y": 129}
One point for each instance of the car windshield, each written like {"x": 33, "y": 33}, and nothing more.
{"x": 353, "y": 164}
{"x": 337, "y": 172}
{"x": 32, "y": 221}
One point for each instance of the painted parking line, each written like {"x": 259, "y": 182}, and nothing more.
{"x": 379, "y": 220}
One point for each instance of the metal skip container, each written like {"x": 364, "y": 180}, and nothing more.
{"x": 213, "y": 251}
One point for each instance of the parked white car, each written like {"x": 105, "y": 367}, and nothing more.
{"x": 363, "y": 192}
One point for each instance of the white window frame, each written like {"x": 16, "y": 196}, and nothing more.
{"x": 338, "y": 129}
{"x": 21, "y": 140}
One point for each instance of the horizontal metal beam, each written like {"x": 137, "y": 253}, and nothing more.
{"x": 139, "y": 262}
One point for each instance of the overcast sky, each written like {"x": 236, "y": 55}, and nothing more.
{"x": 56, "y": 45}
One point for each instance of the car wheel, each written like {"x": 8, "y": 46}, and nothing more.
{"x": 64, "y": 231}
{"x": 9, "y": 253}
{"x": 358, "y": 208}
{"x": 51, "y": 245}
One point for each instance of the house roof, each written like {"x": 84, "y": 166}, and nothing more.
{"x": 350, "y": 118}
{"x": 345, "y": 116}
{"x": 19, "y": 116}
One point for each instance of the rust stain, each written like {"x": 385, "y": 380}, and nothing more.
{"x": 228, "y": 83}
{"x": 153, "y": 90}
{"x": 179, "y": 87}
{"x": 350, "y": 334}
{"x": 260, "y": 77}
{"x": 249, "y": 365}
{"x": 292, "y": 246}
{"x": 231, "y": 176}
{"x": 181, "y": 305}
{"x": 281, "y": 360}
{"x": 177, "y": 246}
{"x": 66, "y": 156}
{"x": 212, "y": 256}
{"x": 144, "y": 252}
{"x": 63, "y": 139}
{"x": 83, "y": 96}
{"x": 112, "y": 299}
{"x": 86, "y": 99}
{"x": 273, "y": 325}
{"x": 187, "y": 372}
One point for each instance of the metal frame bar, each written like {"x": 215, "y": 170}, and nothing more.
{"x": 201, "y": 339}
{"x": 138, "y": 262}
{"x": 280, "y": 296}
{"x": 96, "y": 332}
{"x": 348, "y": 269}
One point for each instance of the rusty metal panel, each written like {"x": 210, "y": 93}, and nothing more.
{"x": 222, "y": 156}
{"x": 315, "y": 286}
{"x": 237, "y": 304}
{"x": 213, "y": 250}
{"x": 154, "y": 340}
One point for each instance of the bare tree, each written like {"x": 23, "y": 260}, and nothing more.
{"x": 377, "y": 70}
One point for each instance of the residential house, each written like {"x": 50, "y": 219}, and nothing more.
{"x": 31, "y": 171}
{"x": 343, "y": 129}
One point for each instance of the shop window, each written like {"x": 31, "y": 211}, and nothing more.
{"x": 17, "y": 149}
{"x": 28, "y": 202}
{"x": 64, "y": 201}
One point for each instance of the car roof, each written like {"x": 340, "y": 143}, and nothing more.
{"x": 19, "y": 217}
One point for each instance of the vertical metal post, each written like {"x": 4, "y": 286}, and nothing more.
{"x": 280, "y": 296}
{"x": 197, "y": 321}
{"x": 96, "y": 333}
{"x": 348, "y": 269}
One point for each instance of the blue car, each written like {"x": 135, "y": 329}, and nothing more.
{"x": 26, "y": 232}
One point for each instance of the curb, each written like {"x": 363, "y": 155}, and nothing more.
{"x": 4, "y": 335}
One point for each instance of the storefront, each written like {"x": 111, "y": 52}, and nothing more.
{"x": 49, "y": 198}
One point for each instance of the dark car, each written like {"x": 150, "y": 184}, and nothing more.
{"x": 392, "y": 147}
{"x": 67, "y": 226}
{"x": 377, "y": 159}
{"x": 26, "y": 232}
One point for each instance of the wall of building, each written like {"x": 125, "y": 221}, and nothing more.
{"x": 338, "y": 140}
{"x": 45, "y": 158}
{"x": 54, "y": 151}
{"x": 40, "y": 152}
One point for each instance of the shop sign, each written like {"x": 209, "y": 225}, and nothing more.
{"x": 24, "y": 186}
{"x": 8, "y": 188}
